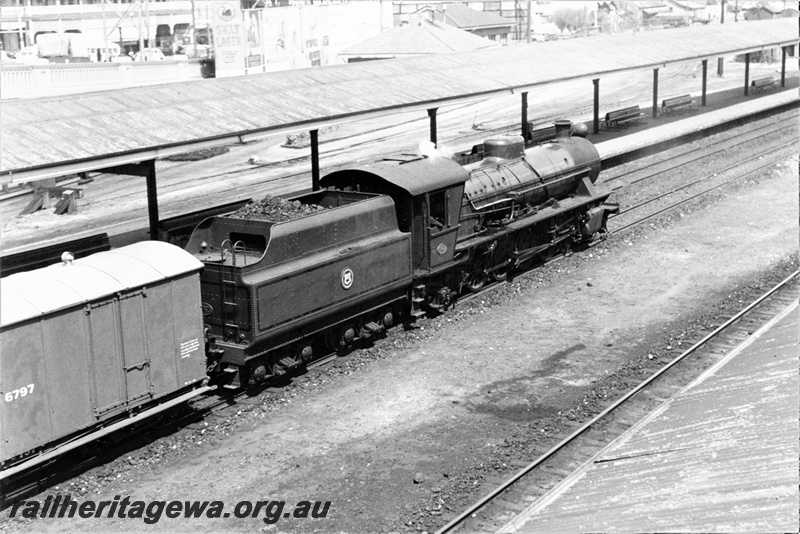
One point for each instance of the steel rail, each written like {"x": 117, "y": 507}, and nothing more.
{"x": 772, "y": 129}
{"x": 701, "y": 193}
{"x": 455, "y": 523}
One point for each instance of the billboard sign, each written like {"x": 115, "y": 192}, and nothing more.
{"x": 229, "y": 38}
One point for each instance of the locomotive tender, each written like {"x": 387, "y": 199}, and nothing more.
{"x": 90, "y": 342}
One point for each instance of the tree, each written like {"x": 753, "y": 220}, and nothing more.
{"x": 605, "y": 22}
{"x": 571, "y": 19}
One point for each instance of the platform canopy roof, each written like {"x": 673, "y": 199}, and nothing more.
{"x": 55, "y": 136}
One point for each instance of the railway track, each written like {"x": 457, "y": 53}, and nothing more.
{"x": 723, "y": 177}
{"x": 688, "y": 155}
{"x": 533, "y": 481}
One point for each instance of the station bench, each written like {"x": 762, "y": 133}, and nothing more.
{"x": 762, "y": 84}
{"x": 623, "y": 116}
{"x": 668, "y": 105}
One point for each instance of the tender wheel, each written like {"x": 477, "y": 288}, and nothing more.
{"x": 387, "y": 318}
{"x": 333, "y": 339}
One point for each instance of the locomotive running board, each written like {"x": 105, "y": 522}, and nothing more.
{"x": 586, "y": 188}
{"x": 564, "y": 205}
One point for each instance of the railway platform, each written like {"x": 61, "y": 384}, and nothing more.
{"x": 651, "y": 135}
{"x": 719, "y": 456}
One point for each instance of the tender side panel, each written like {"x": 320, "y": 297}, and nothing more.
{"x": 292, "y": 240}
{"x": 24, "y": 419}
{"x": 332, "y": 279}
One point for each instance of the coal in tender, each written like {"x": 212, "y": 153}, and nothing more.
{"x": 275, "y": 210}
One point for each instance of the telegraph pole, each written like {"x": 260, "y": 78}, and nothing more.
{"x": 147, "y": 24}
{"x": 141, "y": 36}
{"x": 105, "y": 55}
{"x": 528, "y": 25}
{"x": 194, "y": 30}
{"x": 720, "y": 61}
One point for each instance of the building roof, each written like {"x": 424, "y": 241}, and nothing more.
{"x": 418, "y": 39}
{"x": 655, "y": 10}
{"x": 648, "y": 4}
{"x": 778, "y": 7}
{"x": 465, "y": 18}
{"x": 42, "y": 138}
{"x": 689, "y": 4}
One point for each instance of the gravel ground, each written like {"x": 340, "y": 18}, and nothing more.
{"x": 402, "y": 435}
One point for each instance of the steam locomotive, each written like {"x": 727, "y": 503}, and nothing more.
{"x": 96, "y": 342}
{"x": 397, "y": 238}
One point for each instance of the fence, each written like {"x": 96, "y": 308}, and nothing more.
{"x": 32, "y": 81}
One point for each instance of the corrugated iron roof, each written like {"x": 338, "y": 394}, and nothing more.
{"x": 721, "y": 456}
{"x": 655, "y": 10}
{"x": 464, "y": 17}
{"x": 648, "y": 4}
{"x": 418, "y": 39}
{"x": 49, "y": 137}
{"x": 689, "y": 4}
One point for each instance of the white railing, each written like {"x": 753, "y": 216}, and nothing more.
{"x": 34, "y": 81}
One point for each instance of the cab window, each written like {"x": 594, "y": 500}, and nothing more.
{"x": 438, "y": 210}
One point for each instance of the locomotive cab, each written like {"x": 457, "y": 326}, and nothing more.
{"x": 436, "y": 224}
{"x": 427, "y": 191}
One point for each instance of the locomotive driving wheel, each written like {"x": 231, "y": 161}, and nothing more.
{"x": 546, "y": 254}
{"x": 502, "y": 256}
{"x": 476, "y": 276}
{"x": 525, "y": 240}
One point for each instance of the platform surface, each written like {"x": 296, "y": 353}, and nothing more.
{"x": 693, "y": 123}
{"x": 720, "y": 456}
